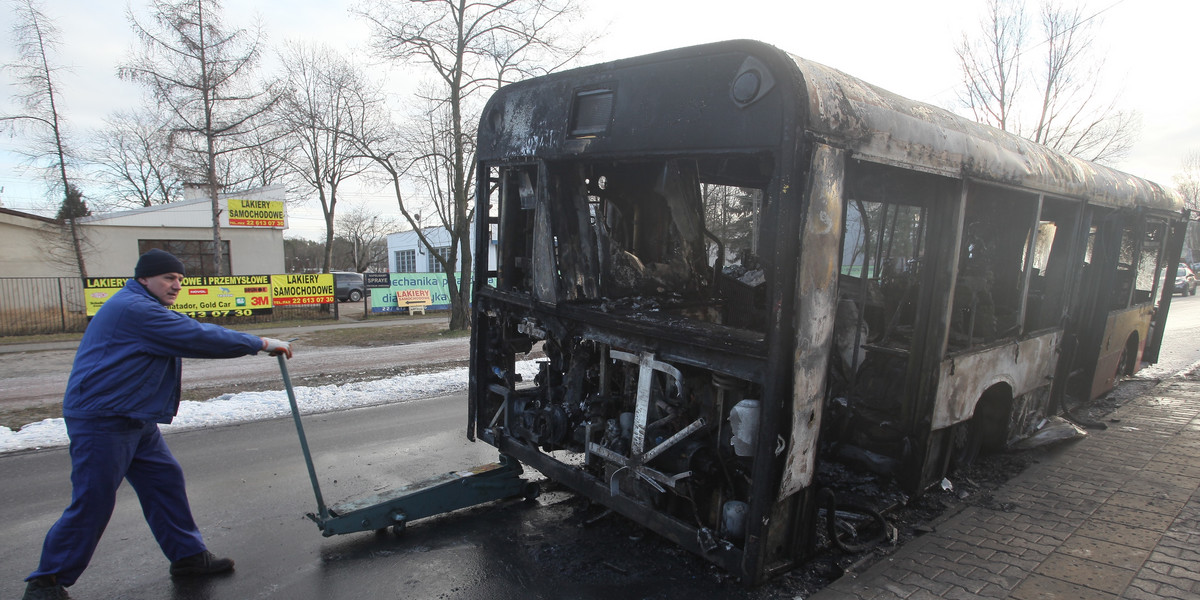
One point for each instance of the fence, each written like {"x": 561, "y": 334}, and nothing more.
{"x": 42, "y": 305}
{"x": 34, "y": 305}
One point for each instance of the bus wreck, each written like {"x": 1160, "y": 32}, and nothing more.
{"x": 739, "y": 263}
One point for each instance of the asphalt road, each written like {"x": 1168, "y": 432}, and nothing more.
{"x": 1181, "y": 339}
{"x": 249, "y": 491}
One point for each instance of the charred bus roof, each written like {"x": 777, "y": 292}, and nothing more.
{"x": 638, "y": 106}
{"x": 746, "y": 96}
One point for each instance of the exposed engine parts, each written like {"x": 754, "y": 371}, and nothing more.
{"x": 642, "y": 425}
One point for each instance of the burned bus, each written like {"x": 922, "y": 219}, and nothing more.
{"x": 737, "y": 261}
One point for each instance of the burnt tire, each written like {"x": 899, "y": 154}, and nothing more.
{"x": 965, "y": 446}
{"x": 1122, "y": 367}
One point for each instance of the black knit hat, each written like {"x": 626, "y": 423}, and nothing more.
{"x": 156, "y": 262}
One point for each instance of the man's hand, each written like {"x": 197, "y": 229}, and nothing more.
{"x": 277, "y": 347}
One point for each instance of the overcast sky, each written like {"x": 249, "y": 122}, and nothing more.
{"x": 905, "y": 47}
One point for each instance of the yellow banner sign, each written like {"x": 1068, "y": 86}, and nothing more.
{"x": 239, "y": 295}
{"x": 290, "y": 290}
{"x": 97, "y": 290}
{"x": 255, "y": 213}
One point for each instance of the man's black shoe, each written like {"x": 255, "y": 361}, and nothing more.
{"x": 45, "y": 587}
{"x": 201, "y": 564}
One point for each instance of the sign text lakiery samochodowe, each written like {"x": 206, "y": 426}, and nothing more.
{"x": 255, "y": 213}
{"x": 235, "y": 295}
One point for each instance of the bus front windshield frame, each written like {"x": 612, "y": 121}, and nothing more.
{"x": 649, "y": 238}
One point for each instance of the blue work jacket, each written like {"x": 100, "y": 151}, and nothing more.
{"x": 128, "y": 363}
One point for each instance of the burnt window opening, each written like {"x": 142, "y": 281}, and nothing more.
{"x": 885, "y": 237}
{"x": 731, "y": 215}
{"x": 1049, "y": 266}
{"x": 884, "y": 240}
{"x": 882, "y": 254}
{"x": 673, "y": 236}
{"x": 1149, "y": 257}
{"x": 511, "y": 201}
{"x": 1137, "y": 249}
{"x": 1138, "y": 264}
{"x": 886, "y": 234}
{"x": 1126, "y": 269}
{"x": 997, "y": 227}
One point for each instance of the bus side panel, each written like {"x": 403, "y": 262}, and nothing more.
{"x": 816, "y": 305}
{"x": 1124, "y": 336}
{"x": 1024, "y": 366}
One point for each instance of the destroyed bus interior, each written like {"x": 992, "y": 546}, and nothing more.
{"x": 725, "y": 268}
{"x": 636, "y": 277}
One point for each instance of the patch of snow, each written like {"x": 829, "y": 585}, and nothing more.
{"x": 257, "y": 406}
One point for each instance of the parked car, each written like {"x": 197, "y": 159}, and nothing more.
{"x": 348, "y": 286}
{"x": 1185, "y": 280}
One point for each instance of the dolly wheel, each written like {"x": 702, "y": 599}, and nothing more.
{"x": 532, "y": 490}
{"x": 398, "y": 528}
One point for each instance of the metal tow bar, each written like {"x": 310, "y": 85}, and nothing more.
{"x": 395, "y": 508}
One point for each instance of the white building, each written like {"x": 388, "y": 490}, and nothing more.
{"x": 34, "y": 246}
{"x": 406, "y": 253}
{"x": 252, "y": 225}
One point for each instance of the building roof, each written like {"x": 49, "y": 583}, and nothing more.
{"x": 25, "y": 215}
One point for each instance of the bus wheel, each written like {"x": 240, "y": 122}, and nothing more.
{"x": 1125, "y": 364}
{"x": 965, "y": 444}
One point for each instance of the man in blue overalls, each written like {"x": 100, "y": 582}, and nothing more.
{"x": 125, "y": 381}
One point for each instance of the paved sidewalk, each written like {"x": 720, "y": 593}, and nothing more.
{"x": 1114, "y": 515}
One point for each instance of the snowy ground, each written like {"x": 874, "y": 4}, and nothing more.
{"x": 254, "y": 406}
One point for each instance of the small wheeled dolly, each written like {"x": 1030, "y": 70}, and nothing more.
{"x": 395, "y": 508}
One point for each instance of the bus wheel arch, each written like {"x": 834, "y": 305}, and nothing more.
{"x": 987, "y": 429}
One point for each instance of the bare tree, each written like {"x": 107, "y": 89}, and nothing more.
{"x": 263, "y": 158}
{"x": 367, "y": 231}
{"x": 1067, "y": 113}
{"x": 991, "y": 63}
{"x": 390, "y": 150}
{"x": 470, "y": 47}
{"x": 1070, "y": 118}
{"x": 431, "y": 137}
{"x": 132, "y": 158}
{"x": 322, "y": 107}
{"x": 1187, "y": 181}
{"x": 200, "y": 71}
{"x": 37, "y": 37}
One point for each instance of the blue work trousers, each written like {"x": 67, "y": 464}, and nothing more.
{"x": 103, "y": 452}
